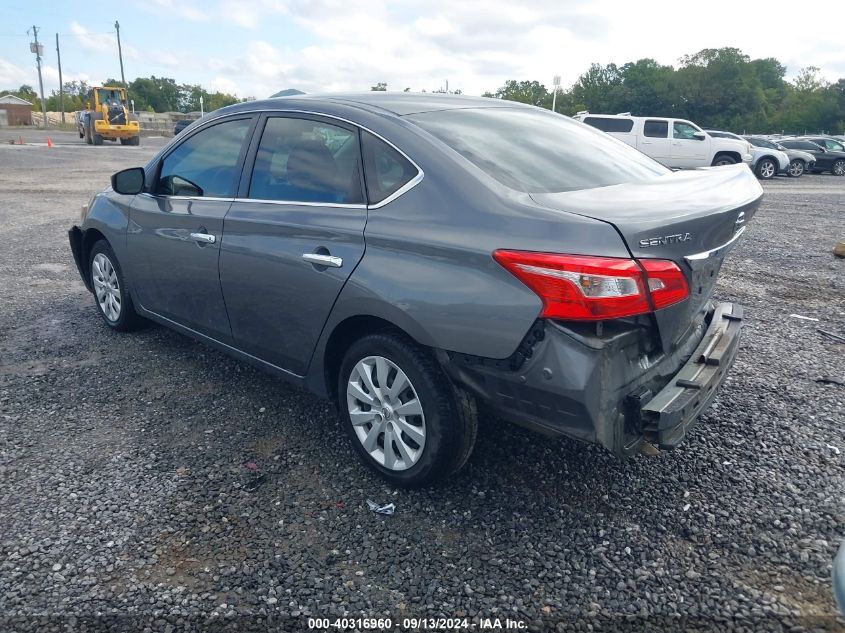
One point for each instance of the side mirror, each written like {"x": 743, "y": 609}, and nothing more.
{"x": 129, "y": 181}
{"x": 699, "y": 136}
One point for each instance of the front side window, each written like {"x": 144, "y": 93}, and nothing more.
{"x": 683, "y": 130}
{"x": 206, "y": 164}
{"x": 387, "y": 170}
{"x": 301, "y": 160}
{"x": 656, "y": 129}
{"x": 833, "y": 145}
{"x": 536, "y": 151}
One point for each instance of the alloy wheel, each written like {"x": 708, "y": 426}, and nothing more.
{"x": 386, "y": 413}
{"x": 796, "y": 168}
{"x": 839, "y": 168}
{"x": 767, "y": 169}
{"x": 106, "y": 286}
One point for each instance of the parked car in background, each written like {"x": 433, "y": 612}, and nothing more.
{"x": 799, "y": 162}
{"x": 676, "y": 143}
{"x": 826, "y": 142}
{"x": 514, "y": 258}
{"x": 826, "y": 160}
{"x": 80, "y": 123}
{"x": 766, "y": 162}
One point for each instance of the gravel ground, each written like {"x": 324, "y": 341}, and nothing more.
{"x": 148, "y": 481}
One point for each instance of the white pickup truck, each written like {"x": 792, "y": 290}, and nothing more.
{"x": 676, "y": 143}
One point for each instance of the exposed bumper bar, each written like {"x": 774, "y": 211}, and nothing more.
{"x": 668, "y": 415}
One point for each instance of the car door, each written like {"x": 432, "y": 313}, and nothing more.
{"x": 293, "y": 236}
{"x": 176, "y": 227}
{"x": 687, "y": 149}
{"x": 654, "y": 140}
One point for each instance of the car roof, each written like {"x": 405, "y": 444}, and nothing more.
{"x": 397, "y": 103}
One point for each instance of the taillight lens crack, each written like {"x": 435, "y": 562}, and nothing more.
{"x": 585, "y": 288}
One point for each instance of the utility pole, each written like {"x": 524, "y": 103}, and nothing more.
{"x": 61, "y": 85}
{"x": 120, "y": 53}
{"x": 556, "y": 85}
{"x": 38, "y": 49}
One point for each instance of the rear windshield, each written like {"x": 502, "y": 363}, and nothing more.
{"x": 536, "y": 151}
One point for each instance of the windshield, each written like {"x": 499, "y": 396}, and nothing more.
{"x": 536, "y": 151}
{"x": 758, "y": 142}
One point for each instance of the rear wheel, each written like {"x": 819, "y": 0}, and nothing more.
{"x": 766, "y": 169}
{"x": 796, "y": 168}
{"x": 126, "y": 141}
{"x": 403, "y": 416}
{"x": 838, "y": 168}
{"x": 722, "y": 160}
{"x": 135, "y": 140}
{"x": 97, "y": 138}
{"x": 110, "y": 294}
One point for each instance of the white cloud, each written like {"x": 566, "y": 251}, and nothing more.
{"x": 179, "y": 9}
{"x": 13, "y": 76}
{"x": 101, "y": 42}
{"x": 476, "y": 46}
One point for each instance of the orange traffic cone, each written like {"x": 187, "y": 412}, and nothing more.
{"x": 49, "y": 142}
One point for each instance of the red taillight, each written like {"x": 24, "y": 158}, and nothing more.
{"x": 666, "y": 282}
{"x": 594, "y": 288}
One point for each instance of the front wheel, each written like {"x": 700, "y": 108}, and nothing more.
{"x": 838, "y": 168}
{"x": 721, "y": 161}
{"x": 796, "y": 168}
{"x": 766, "y": 169}
{"x": 110, "y": 294}
{"x": 403, "y": 416}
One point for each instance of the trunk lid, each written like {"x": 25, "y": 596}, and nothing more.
{"x": 686, "y": 217}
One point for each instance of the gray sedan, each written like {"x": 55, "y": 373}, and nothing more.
{"x": 412, "y": 257}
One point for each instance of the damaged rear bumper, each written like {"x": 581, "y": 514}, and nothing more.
{"x": 667, "y": 416}
{"x": 610, "y": 387}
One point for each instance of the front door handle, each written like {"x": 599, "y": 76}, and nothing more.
{"x": 205, "y": 238}
{"x": 319, "y": 259}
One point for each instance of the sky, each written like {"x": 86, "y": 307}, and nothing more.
{"x": 254, "y": 48}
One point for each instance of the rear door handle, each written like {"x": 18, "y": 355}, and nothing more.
{"x": 323, "y": 260}
{"x": 205, "y": 238}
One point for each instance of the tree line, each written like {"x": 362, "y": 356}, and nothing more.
{"x": 151, "y": 94}
{"x": 719, "y": 88}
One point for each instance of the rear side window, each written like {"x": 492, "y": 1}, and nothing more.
{"x": 386, "y": 170}
{"x": 536, "y": 151}
{"x": 610, "y": 125}
{"x": 656, "y": 129}
{"x": 206, "y": 164}
{"x": 302, "y": 160}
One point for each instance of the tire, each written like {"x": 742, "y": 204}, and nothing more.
{"x": 126, "y": 141}
{"x": 97, "y": 138}
{"x": 135, "y": 140}
{"x": 88, "y": 138}
{"x": 766, "y": 169}
{"x": 796, "y": 168}
{"x": 719, "y": 161}
{"x": 429, "y": 446}
{"x": 838, "y": 168}
{"x": 107, "y": 279}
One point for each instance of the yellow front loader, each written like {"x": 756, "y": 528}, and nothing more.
{"x": 108, "y": 118}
